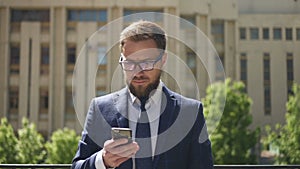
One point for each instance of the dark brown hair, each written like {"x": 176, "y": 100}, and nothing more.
{"x": 144, "y": 30}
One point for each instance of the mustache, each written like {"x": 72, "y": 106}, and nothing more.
{"x": 140, "y": 78}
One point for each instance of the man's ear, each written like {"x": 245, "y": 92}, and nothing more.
{"x": 164, "y": 58}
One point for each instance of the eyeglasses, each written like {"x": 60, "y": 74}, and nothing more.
{"x": 128, "y": 65}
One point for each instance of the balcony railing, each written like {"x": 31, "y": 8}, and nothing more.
{"x": 67, "y": 166}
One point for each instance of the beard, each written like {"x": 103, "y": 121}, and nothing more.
{"x": 141, "y": 92}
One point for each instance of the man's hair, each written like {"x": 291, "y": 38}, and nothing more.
{"x": 144, "y": 30}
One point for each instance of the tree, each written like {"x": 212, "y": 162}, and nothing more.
{"x": 232, "y": 140}
{"x": 62, "y": 147}
{"x": 8, "y": 142}
{"x": 287, "y": 137}
{"x": 30, "y": 145}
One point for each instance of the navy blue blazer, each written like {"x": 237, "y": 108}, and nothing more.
{"x": 182, "y": 141}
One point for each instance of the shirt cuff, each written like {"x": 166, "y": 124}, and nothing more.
{"x": 99, "y": 163}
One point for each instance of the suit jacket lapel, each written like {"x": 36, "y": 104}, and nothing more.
{"x": 120, "y": 102}
{"x": 169, "y": 104}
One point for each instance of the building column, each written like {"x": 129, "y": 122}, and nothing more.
{"x": 202, "y": 50}
{"x": 84, "y": 76}
{"x": 4, "y": 64}
{"x": 35, "y": 72}
{"x": 58, "y": 68}
{"x": 171, "y": 26}
{"x": 230, "y": 46}
{"x": 114, "y": 77}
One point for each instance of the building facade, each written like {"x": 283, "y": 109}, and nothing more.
{"x": 42, "y": 42}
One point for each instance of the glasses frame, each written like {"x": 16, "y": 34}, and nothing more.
{"x": 122, "y": 61}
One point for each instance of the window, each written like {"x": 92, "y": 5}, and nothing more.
{"x": 18, "y": 16}
{"x": 267, "y": 100}
{"x": 30, "y": 15}
{"x": 70, "y": 111}
{"x": 44, "y": 104}
{"x": 154, "y": 15}
{"x": 277, "y": 34}
{"x": 243, "y": 69}
{"x": 13, "y": 96}
{"x": 87, "y": 15}
{"x": 266, "y": 34}
{"x": 254, "y": 34}
{"x": 102, "y": 59}
{"x": 71, "y": 57}
{"x": 191, "y": 61}
{"x": 242, "y": 33}
{"x": 267, "y": 85}
{"x": 290, "y": 71}
{"x": 44, "y": 59}
{"x": 101, "y": 90}
{"x": 219, "y": 68}
{"x": 217, "y": 31}
{"x": 14, "y": 62}
{"x": 288, "y": 33}
{"x": 189, "y": 18}
{"x": 298, "y": 33}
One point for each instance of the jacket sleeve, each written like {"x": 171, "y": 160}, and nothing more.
{"x": 90, "y": 144}
{"x": 200, "y": 151}
{"x": 86, "y": 154}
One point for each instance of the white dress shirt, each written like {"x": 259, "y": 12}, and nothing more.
{"x": 153, "y": 108}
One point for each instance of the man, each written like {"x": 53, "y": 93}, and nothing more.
{"x": 168, "y": 130}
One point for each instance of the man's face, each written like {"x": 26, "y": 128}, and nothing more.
{"x": 140, "y": 82}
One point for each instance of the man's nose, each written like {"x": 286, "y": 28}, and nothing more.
{"x": 137, "y": 68}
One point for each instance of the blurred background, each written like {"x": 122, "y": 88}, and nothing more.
{"x": 257, "y": 41}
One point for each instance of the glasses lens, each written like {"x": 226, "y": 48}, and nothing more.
{"x": 128, "y": 65}
{"x": 147, "y": 65}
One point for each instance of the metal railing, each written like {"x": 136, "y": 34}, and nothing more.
{"x": 68, "y": 166}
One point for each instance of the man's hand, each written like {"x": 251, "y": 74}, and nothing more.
{"x": 115, "y": 152}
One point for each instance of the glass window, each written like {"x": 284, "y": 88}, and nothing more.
{"x": 101, "y": 90}
{"x": 154, "y": 15}
{"x": 277, "y": 35}
{"x": 13, "y": 104}
{"x": 30, "y": 15}
{"x": 44, "y": 104}
{"x": 243, "y": 69}
{"x": 70, "y": 111}
{"x": 102, "y": 60}
{"x": 298, "y": 33}
{"x": 254, "y": 34}
{"x": 191, "y": 61}
{"x": 13, "y": 98}
{"x": 217, "y": 31}
{"x": 44, "y": 59}
{"x": 267, "y": 84}
{"x": 243, "y": 33}
{"x": 267, "y": 99}
{"x": 87, "y": 15}
{"x": 266, "y": 34}
{"x": 266, "y": 65}
{"x": 219, "y": 68}
{"x": 71, "y": 58}
{"x": 290, "y": 71}
{"x": 14, "y": 62}
{"x": 190, "y": 19}
{"x": 288, "y": 33}
{"x": 71, "y": 54}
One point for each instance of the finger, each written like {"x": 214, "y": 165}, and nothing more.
{"x": 129, "y": 152}
{"x": 114, "y": 143}
{"x": 124, "y": 148}
{"x": 120, "y": 161}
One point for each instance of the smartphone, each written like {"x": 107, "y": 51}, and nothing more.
{"x": 117, "y": 133}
